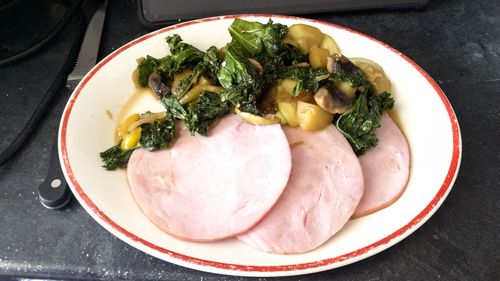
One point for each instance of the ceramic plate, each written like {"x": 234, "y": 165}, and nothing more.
{"x": 425, "y": 115}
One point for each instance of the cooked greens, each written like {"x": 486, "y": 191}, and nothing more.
{"x": 182, "y": 56}
{"x": 307, "y": 78}
{"x": 254, "y": 61}
{"x": 199, "y": 114}
{"x": 159, "y": 134}
{"x": 263, "y": 43}
{"x": 208, "y": 66}
{"x": 114, "y": 158}
{"x": 204, "y": 111}
{"x": 174, "y": 108}
{"x": 154, "y": 136}
{"x": 358, "y": 124}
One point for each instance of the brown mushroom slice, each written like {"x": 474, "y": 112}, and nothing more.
{"x": 338, "y": 62}
{"x": 157, "y": 85}
{"x": 332, "y": 100}
{"x": 255, "y": 64}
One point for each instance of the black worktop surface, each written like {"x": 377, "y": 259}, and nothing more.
{"x": 456, "y": 42}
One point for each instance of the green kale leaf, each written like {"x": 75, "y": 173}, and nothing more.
{"x": 204, "y": 111}
{"x": 174, "y": 107}
{"x": 182, "y": 56}
{"x": 209, "y": 66}
{"x": 145, "y": 67}
{"x": 253, "y": 40}
{"x": 114, "y": 157}
{"x": 307, "y": 78}
{"x": 154, "y": 136}
{"x": 199, "y": 114}
{"x": 158, "y": 135}
{"x": 252, "y": 37}
{"x": 358, "y": 124}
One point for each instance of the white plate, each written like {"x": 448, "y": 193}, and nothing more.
{"x": 426, "y": 116}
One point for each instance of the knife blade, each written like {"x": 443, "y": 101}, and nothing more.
{"x": 54, "y": 192}
{"x": 90, "y": 47}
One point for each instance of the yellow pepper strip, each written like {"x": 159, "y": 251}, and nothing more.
{"x": 123, "y": 127}
{"x": 131, "y": 139}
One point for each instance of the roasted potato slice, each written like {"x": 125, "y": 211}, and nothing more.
{"x": 311, "y": 117}
{"x": 374, "y": 73}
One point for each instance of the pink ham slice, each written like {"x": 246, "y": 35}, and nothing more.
{"x": 325, "y": 186}
{"x": 386, "y": 169}
{"x": 210, "y": 188}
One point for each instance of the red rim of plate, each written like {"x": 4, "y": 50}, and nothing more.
{"x": 432, "y": 206}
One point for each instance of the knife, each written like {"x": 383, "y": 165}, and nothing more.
{"x": 90, "y": 47}
{"x": 54, "y": 192}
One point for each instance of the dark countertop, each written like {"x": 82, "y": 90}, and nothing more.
{"x": 456, "y": 42}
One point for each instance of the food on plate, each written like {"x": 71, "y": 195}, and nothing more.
{"x": 311, "y": 117}
{"x": 324, "y": 188}
{"x": 216, "y": 160}
{"x": 374, "y": 73}
{"x": 306, "y": 37}
{"x": 214, "y": 187}
{"x": 386, "y": 168}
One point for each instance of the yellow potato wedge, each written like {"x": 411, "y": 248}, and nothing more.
{"x": 330, "y": 44}
{"x": 288, "y": 110}
{"x": 311, "y": 117}
{"x": 304, "y": 37}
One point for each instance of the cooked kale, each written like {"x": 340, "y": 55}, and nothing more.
{"x": 200, "y": 113}
{"x": 209, "y": 66}
{"x": 253, "y": 37}
{"x": 158, "y": 135}
{"x": 264, "y": 43}
{"x": 307, "y": 78}
{"x": 154, "y": 136}
{"x": 204, "y": 111}
{"x": 211, "y": 63}
{"x": 357, "y": 79}
{"x": 241, "y": 80}
{"x": 145, "y": 67}
{"x": 182, "y": 56}
{"x": 174, "y": 108}
{"x": 358, "y": 124}
{"x": 254, "y": 60}
{"x": 114, "y": 157}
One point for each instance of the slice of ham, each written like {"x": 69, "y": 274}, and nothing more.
{"x": 386, "y": 168}
{"x": 325, "y": 186}
{"x": 211, "y": 188}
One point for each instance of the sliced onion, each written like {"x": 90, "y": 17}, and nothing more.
{"x": 147, "y": 118}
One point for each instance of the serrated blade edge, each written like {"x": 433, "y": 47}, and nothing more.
{"x": 87, "y": 57}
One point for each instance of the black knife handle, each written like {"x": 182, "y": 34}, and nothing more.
{"x": 54, "y": 192}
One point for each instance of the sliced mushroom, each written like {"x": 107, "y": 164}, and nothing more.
{"x": 157, "y": 85}
{"x": 332, "y": 100}
{"x": 338, "y": 62}
{"x": 257, "y": 66}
